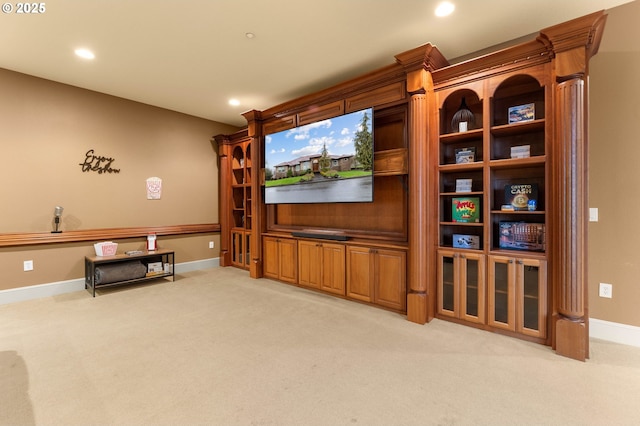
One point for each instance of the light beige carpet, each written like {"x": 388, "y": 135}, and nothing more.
{"x": 219, "y": 348}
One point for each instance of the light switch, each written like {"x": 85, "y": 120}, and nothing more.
{"x": 593, "y": 214}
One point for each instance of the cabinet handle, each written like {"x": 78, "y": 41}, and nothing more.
{"x": 462, "y": 256}
{"x": 520, "y": 262}
{"x": 510, "y": 260}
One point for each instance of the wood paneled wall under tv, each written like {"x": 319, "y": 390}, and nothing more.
{"x": 397, "y": 252}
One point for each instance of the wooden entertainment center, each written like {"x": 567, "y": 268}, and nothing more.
{"x": 520, "y": 270}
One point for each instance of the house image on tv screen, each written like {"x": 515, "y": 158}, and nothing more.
{"x": 327, "y": 161}
{"x": 303, "y": 165}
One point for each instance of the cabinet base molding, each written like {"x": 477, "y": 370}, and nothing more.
{"x": 417, "y": 308}
{"x": 571, "y": 338}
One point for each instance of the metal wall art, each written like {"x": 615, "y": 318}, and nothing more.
{"x": 96, "y": 163}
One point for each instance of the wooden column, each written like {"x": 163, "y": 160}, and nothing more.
{"x": 418, "y": 64}
{"x": 419, "y": 297}
{"x": 257, "y": 206}
{"x": 570, "y": 210}
{"x": 224, "y": 198}
{"x": 573, "y": 44}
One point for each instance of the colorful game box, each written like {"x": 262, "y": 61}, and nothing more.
{"x": 522, "y": 236}
{"x": 521, "y": 197}
{"x": 465, "y": 209}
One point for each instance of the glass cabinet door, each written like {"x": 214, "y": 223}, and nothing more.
{"x": 447, "y": 288}
{"x": 502, "y": 292}
{"x": 532, "y": 278}
{"x": 472, "y": 273}
{"x": 240, "y": 249}
{"x": 247, "y": 249}
{"x": 461, "y": 289}
{"x": 518, "y": 295}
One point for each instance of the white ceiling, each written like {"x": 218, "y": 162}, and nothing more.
{"x": 191, "y": 56}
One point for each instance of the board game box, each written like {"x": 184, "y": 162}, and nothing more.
{"x": 465, "y": 209}
{"x": 522, "y": 236}
{"x": 466, "y": 241}
{"x": 521, "y": 197}
{"x": 463, "y": 185}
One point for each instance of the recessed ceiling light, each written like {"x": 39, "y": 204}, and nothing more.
{"x": 249, "y": 35}
{"x": 85, "y": 53}
{"x": 234, "y": 102}
{"x": 445, "y": 9}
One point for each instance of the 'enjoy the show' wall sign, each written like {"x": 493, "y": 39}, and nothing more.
{"x": 96, "y": 163}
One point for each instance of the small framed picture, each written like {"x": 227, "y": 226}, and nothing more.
{"x": 520, "y": 113}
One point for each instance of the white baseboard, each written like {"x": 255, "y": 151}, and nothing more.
{"x": 614, "y": 332}
{"x": 197, "y": 265}
{"x": 53, "y": 289}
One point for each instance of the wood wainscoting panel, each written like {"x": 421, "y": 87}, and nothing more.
{"x": 384, "y": 95}
{"x": 321, "y": 112}
{"x": 387, "y": 213}
{"x": 279, "y": 124}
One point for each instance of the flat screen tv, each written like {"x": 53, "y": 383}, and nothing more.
{"x": 329, "y": 161}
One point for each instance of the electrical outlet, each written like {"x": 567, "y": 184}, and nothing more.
{"x": 211, "y": 244}
{"x": 28, "y": 265}
{"x": 606, "y": 290}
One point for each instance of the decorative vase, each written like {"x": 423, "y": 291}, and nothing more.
{"x": 463, "y": 119}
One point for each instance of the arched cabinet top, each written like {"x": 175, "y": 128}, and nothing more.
{"x": 519, "y": 93}
{"x": 451, "y": 104}
{"x": 519, "y": 80}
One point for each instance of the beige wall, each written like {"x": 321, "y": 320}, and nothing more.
{"x": 614, "y": 170}
{"x": 46, "y": 128}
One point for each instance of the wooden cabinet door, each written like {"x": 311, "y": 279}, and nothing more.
{"x": 502, "y": 292}
{"x": 280, "y": 259}
{"x": 461, "y": 285}
{"x": 237, "y": 242}
{"x": 309, "y": 263}
{"x": 270, "y": 256}
{"x": 288, "y": 260}
{"x": 471, "y": 272}
{"x": 447, "y": 284}
{"x": 518, "y": 295}
{"x": 359, "y": 273}
{"x": 390, "y": 271}
{"x": 531, "y": 278}
{"x": 332, "y": 266}
{"x": 241, "y": 249}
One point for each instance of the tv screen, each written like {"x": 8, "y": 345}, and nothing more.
{"x": 329, "y": 161}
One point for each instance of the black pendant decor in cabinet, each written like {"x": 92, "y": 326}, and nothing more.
{"x": 463, "y": 119}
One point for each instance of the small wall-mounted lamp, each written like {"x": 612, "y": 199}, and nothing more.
{"x": 56, "y": 218}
